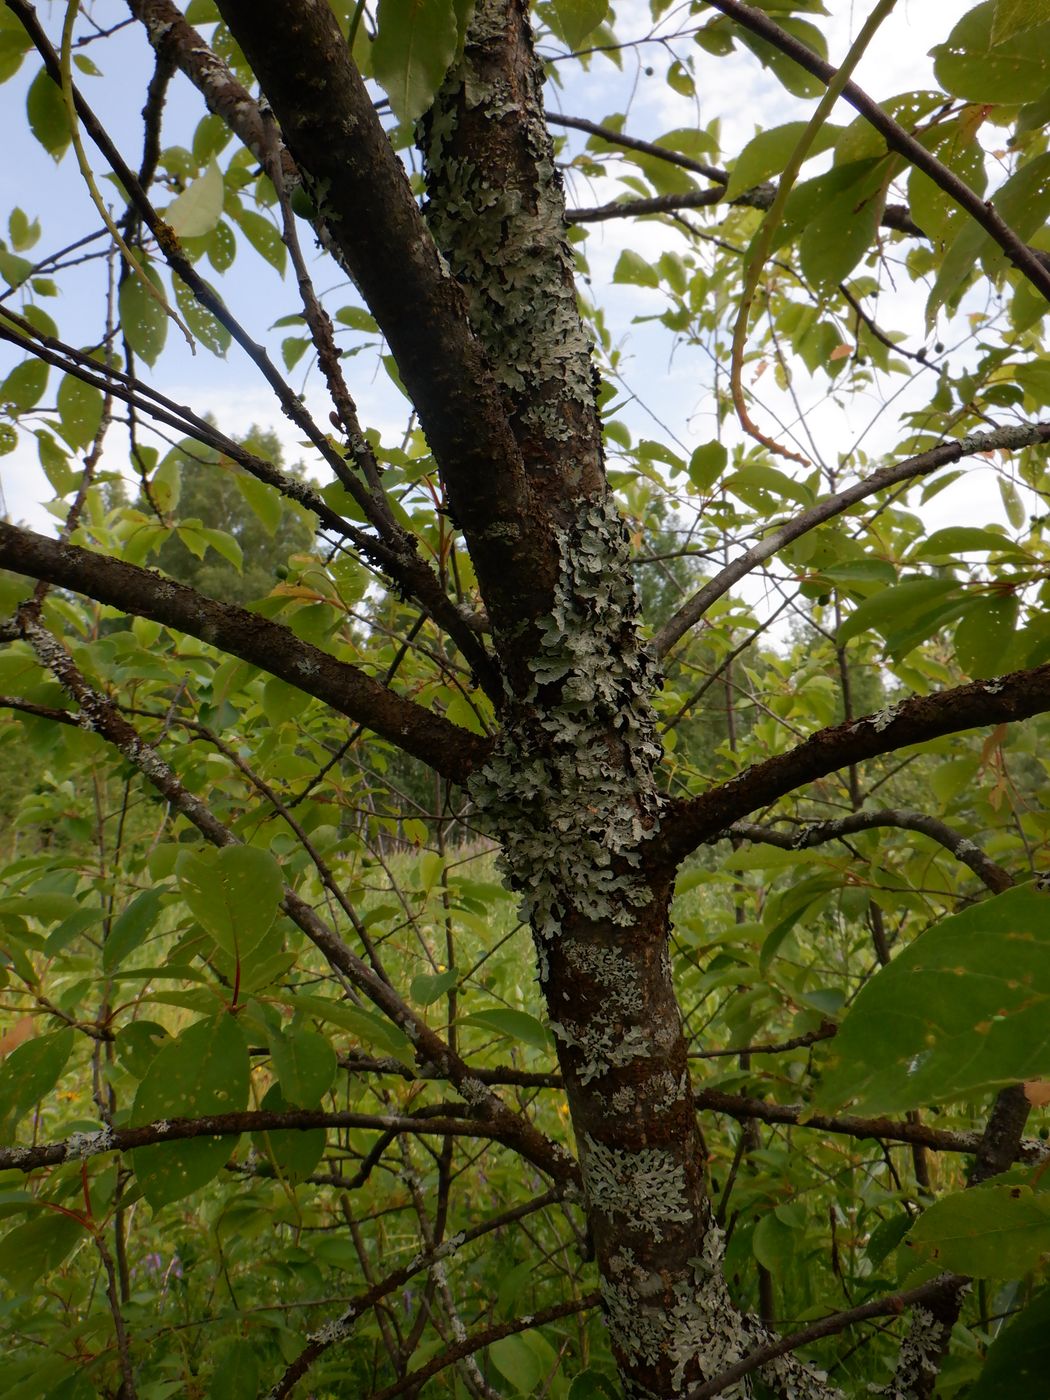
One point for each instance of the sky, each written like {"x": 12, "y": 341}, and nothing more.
{"x": 670, "y": 388}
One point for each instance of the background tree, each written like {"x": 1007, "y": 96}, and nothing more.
{"x": 283, "y": 1104}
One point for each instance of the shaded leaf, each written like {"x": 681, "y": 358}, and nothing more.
{"x": 203, "y": 1071}
{"x": 964, "y": 1009}
{"x": 986, "y": 1232}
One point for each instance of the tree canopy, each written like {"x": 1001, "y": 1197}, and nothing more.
{"x": 547, "y": 896}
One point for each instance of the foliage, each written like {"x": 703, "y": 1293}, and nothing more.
{"x": 292, "y": 1095}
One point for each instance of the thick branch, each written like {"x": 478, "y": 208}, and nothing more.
{"x": 1004, "y": 700}
{"x": 1009, "y": 439}
{"x": 330, "y": 126}
{"x": 742, "y": 1108}
{"x": 450, "y": 750}
{"x": 816, "y": 833}
{"x": 892, "y": 1305}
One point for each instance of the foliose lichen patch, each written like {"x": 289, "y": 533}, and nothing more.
{"x": 570, "y": 789}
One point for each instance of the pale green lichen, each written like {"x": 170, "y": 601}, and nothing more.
{"x": 505, "y": 238}
{"x": 646, "y": 1187}
{"x": 569, "y": 789}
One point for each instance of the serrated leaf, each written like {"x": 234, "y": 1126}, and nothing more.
{"x": 232, "y": 893}
{"x": 196, "y": 210}
{"x": 202, "y": 1072}
{"x": 963, "y": 1010}
{"x": 987, "y": 1232}
{"x": 415, "y": 43}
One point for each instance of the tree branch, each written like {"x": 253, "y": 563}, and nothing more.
{"x": 1010, "y": 438}
{"x": 450, "y": 750}
{"x": 330, "y": 126}
{"x": 891, "y": 1305}
{"x": 691, "y": 822}
{"x": 816, "y": 833}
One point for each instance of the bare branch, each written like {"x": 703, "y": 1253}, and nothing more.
{"x": 1004, "y": 700}
{"x": 452, "y": 751}
{"x": 1010, "y": 438}
{"x": 816, "y": 833}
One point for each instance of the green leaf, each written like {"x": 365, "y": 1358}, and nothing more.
{"x": 707, "y": 464}
{"x": 985, "y": 632}
{"x": 836, "y": 239}
{"x": 890, "y": 609}
{"x": 143, "y": 318}
{"x": 211, "y": 333}
{"x": 369, "y": 1028}
{"x": 264, "y": 237}
{"x": 573, "y": 20}
{"x": 23, "y": 233}
{"x": 1014, "y": 16}
{"x": 24, "y": 386}
{"x": 635, "y": 270}
{"x": 592, "y": 1385}
{"x": 987, "y": 1232}
{"x": 236, "y": 1374}
{"x": 132, "y": 927}
{"x": 203, "y": 1071}
{"x": 28, "y": 1074}
{"x": 233, "y": 894}
{"x": 8, "y": 439}
{"x": 519, "y": 1025}
{"x": 525, "y": 1359}
{"x": 945, "y": 546}
{"x": 1016, "y": 1360}
{"x": 33, "y": 1249}
{"x": 415, "y": 44}
{"x": 767, "y": 154}
{"x": 305, "y": 1065}
{"x": 976, "y": 65}
{"x": 1012, "y": 503}
{"x": 963, "y": 1010}
{"x": 79, "y": 410}
{"x": 294, "y": 1152}
{"x": 1023, "y": 202}
{"x": 48, "y": 119}
{"x": 197, "y": 209}
{"x": 430, "y": 987}
{"x": 264, "y": 501}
